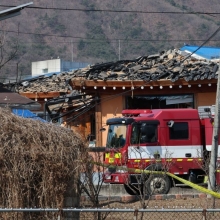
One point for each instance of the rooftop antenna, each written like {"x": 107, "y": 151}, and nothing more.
{"x": 115, "y": 111}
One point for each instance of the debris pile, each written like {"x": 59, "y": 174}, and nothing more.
{"x": 167, "y": 65}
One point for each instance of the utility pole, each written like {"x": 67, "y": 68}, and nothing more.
{"x": 215, "y": 136}
{"x": 119, "y": 50}
{"x": 72, "y": 49}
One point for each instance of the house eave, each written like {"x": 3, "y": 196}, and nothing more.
{"x": 29, "y": 106}
{"x": 80, "y": 83}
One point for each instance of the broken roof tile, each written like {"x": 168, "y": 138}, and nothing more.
{"x": 167, "y": 65}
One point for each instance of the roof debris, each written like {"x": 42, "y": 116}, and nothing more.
{"x": 167, "y": 65}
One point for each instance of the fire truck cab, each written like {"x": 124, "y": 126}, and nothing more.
{"x": 173, "y": 140}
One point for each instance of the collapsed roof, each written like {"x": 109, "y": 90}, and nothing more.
{"x": 167, "y": 65}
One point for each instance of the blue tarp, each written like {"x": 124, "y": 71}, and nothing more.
{"x": 25, "y": 113}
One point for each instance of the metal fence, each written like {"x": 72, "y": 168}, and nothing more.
{"x": 110, "y": 214}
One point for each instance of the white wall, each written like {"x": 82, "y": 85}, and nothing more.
{"x": 49, "y": 65}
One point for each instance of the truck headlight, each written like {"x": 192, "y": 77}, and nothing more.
{"x": 122, "y": 169}
{"x": 107, "y": 176}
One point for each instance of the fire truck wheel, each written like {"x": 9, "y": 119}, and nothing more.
{"x": 131, "y": 190}
{"x": 158, "y": 184}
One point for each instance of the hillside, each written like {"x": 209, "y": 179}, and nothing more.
{"x": 105, "y": 35}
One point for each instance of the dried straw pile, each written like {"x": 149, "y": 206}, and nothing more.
{"x": 37, "y": 162}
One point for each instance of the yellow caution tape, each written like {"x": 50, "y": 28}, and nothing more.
{"x": 188, "y": 183}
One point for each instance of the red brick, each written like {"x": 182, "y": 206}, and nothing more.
{"x": 178, "y": 196}
{"x": 202, "y": 195}
{"x": 128, "y": 198}
{"x": 158, "y": 197}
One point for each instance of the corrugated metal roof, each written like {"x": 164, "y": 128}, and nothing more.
{"x": 205, "y": 52}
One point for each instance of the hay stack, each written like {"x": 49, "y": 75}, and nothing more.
{"x": 37, "y": 162}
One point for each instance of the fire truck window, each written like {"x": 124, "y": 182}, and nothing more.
{"x": 135, "y": 135}
{"x": 179, "y": 130}
{"x": 146, "y": 133}
{"x": 149, "y": 133}
{"x": 116, "y": 136}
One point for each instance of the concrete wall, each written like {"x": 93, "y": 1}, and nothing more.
{"x": 69, "y": 65}
{"x": 47, "y": 65}
{"x": 54, "y": 66}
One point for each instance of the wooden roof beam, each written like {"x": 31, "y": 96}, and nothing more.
{"x": 78, "y": 83}
{"x": 39, "y": 95}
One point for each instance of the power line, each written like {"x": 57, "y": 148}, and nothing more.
{"x": 202, "y": 44}
{"x": 119, "y": 94}
{"x": 99, "y": 39}
{"x": 146, "y": 83}
{"x": 118, "y": 11}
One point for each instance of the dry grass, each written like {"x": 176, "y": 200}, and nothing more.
{"x": 38, "y": 162}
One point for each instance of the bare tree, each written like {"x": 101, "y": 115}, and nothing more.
{"x": 205, "y": 169}
{"x": 151, "y": 179}
{"x": 91, "y": 180}
{"x": 8, "y": 49}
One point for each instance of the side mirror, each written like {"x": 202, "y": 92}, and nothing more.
{"x": 170, "y": 123}
{"x": 102, "y": 129}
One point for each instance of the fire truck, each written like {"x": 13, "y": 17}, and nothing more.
{"x": 177, "y": 141}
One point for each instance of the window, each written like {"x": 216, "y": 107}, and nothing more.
{"x": 160, "y": 101}
{"x": 179, "y": 130}
{"x": 144, "y": 133}
{"x": 116, "y": 136}
{"x": 45, "y": 70}
{"x": 135, "y": 134}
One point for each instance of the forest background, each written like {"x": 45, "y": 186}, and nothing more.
{"x": 94, "y": 31}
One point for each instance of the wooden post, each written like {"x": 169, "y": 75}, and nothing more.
{"x": 98, "y": 125}
{"x": 214, "y": 151}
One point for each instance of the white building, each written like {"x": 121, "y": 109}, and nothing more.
{"x": 54, "y": 66}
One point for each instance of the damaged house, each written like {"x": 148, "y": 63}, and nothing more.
{"x": 87, "y": 97}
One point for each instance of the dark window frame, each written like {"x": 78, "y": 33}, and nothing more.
{"x": 155, "y": 101}
{"x": 179, "y": 131}
{"x": 140, "y": 137}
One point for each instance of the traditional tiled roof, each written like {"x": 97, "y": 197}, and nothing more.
{"x": 167, "y": 65}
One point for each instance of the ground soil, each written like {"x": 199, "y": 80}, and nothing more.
{"x": 185, "y": 209}
{"x": 183, "y": 203}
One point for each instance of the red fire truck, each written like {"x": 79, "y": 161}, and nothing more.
{"x": 174, "y": 140}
